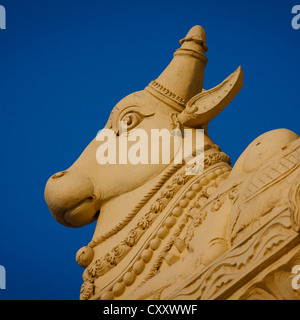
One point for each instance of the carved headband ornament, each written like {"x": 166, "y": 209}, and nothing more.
{"x": 180, "y": 84}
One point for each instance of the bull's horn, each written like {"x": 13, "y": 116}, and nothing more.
{"x": 206, "y": 105}
{"x": 183, "y": 77}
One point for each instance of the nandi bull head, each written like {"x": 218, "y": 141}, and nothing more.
{"x": 74, "y": 196}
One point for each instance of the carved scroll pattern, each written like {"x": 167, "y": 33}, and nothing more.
{"x": 233, "y": 266}
{"x": 275, "y": 283}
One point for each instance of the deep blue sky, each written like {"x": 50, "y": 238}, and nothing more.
{"x": 65, "y": 63}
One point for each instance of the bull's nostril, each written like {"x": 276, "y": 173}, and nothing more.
{"x": 59, "y": 174}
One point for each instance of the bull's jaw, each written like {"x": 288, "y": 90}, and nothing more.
{"x": 116, "y": 210}
{"x": 77, "y": 217}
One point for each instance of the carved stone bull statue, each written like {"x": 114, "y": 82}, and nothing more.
{"x": 164, "y": 234}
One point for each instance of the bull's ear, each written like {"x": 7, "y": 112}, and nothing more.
{"x": 206, "y": 105}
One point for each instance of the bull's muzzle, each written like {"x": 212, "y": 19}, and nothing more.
{"x": 70, "y": 198}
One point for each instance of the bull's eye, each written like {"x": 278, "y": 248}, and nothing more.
{"x": 128, "y": 119}
{"x": 132, "y": 119}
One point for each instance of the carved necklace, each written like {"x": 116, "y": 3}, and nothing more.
{"x": 112, "y": 258}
